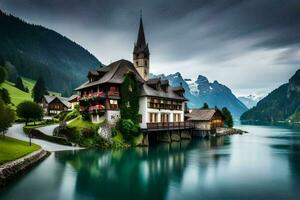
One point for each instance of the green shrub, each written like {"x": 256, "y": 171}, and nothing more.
{"x": 129, "y": 129}
{"x": 39, "y": 135}
{"x": 88, "y": 133}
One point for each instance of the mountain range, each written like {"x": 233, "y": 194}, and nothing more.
{"x": 202, "y": 91}
{"x": 282, "y": 104}
{"x": 250, "y": 101}
{"x": 31, "y": 51}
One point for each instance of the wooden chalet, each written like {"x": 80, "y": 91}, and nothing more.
{"x": 53, "y": 105}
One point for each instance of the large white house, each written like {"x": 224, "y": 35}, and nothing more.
{"x": 160, "y": 104}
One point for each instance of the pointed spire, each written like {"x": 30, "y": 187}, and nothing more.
{"x": 141, "y": 41}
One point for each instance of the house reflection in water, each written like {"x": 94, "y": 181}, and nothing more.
{"x": 147, "y": 173}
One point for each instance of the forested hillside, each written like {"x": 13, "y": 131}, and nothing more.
{"x": 32, "y": 51}
{"x": 281, "y": 104}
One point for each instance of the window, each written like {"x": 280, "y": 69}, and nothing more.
{"x": 145, "y": 62}
{"x": 164, "y": 117}
{"x": 153, "y": 117}
{"x": 176, "y": 117}
{"x": 113, "y": 104}
{"x": 140, "y": 118}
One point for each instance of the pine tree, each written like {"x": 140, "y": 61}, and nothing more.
{"x": 228, "y": 117}
{"x": 39, "y": 90}
{"x": 3, "y": 74}
{"x": 205, "y": 106}
{"x": 19, "y": 84}
{"x": 4, "y": 95}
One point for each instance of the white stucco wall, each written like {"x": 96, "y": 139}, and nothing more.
{"x": 144, "y": 111}
{"x": 112, "y": 116}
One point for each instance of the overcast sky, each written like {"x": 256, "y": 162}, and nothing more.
{"x": 250, "y": 46}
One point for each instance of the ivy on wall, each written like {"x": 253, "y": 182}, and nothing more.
{"x": 129, "y": 107}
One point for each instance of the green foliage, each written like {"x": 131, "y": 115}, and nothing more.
{"x": 205, "y": 106}
{"x": 12, "y": 149}
{"x": 39, "y": 90}
{"x": 34, "y": 133}
{"x": 29, "y": 110}
{"x": 3, "y": 74}
{"x": 295, "y": 118}
{"x": 71, "y": 115}
{"x": 228, "y": 117}
{"x": 7, "y": 116}
{"x": 5, "y": 96}
{"x": 130, "y": 98}
{"x": 129, "y": 129}
{"x": 20, "y": 85}
{"x": 35, "y": 50}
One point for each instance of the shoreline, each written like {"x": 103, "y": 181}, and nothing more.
{"x": 10, "y": 170}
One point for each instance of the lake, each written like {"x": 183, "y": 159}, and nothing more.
{"x": 263, "y": 164}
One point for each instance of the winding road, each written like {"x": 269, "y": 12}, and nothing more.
{"x": 16, "y": 131}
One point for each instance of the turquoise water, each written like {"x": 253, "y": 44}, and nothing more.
{"x": 263, "y": 164}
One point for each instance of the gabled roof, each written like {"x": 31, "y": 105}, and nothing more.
{"x": 63, "y": 100}
{"x": 146, "y": 90}
{"x": 202, "y": 114}
{"x": 114, "y": 73}
{"x": 73, "y": 97}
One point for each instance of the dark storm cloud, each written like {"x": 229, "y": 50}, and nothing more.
{"x": 239, "y": 36}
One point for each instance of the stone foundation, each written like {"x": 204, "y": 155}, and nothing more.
{"x": 185, "y": 135}
{"x": 10, "y": 170}
{"x": 175, "y": 137}
{"x": 163, "y": 137}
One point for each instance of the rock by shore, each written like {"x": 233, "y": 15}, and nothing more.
{"x": 228, "y": 131}
{"x": 10, "y": 170}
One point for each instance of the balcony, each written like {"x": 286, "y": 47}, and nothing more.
{"x": 169, "y": 126}
{"x": 93, "y": 95}
{"x": 113, "y": 94}
{"x": 95, "y": 108}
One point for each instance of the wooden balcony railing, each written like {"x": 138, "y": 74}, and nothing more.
{"x": 170, "y": 125}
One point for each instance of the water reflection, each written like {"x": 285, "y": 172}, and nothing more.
{"x": 264, "y": 164}
{"x": 146, "y": 173}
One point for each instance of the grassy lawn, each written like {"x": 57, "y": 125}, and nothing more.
{"x": 12, "y": 149}
{"x": 17, "y": 96}
{"x": 80, "y": 124}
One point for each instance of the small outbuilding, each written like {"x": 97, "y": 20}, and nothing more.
{"x": 205, "y": 120}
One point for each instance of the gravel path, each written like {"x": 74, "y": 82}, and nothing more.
{"x": 48, "y": 130}
{"x": 16, "y": 131}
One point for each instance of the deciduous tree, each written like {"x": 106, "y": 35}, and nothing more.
{"x": 7, "y": 116}
{"x": 29, "y": 110}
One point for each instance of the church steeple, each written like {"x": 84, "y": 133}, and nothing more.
{"x": 141, "y": 53}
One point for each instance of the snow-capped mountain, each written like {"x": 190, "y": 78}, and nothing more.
{"x": 201, "y": 91}
{"x": 250, "y": 101}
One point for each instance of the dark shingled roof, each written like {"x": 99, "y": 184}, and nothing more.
{"x": 201, "y": 114}
{"x": 115, "y": 73}
{"x": 170, "y": 94}
{"x": 63, "y": 100}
